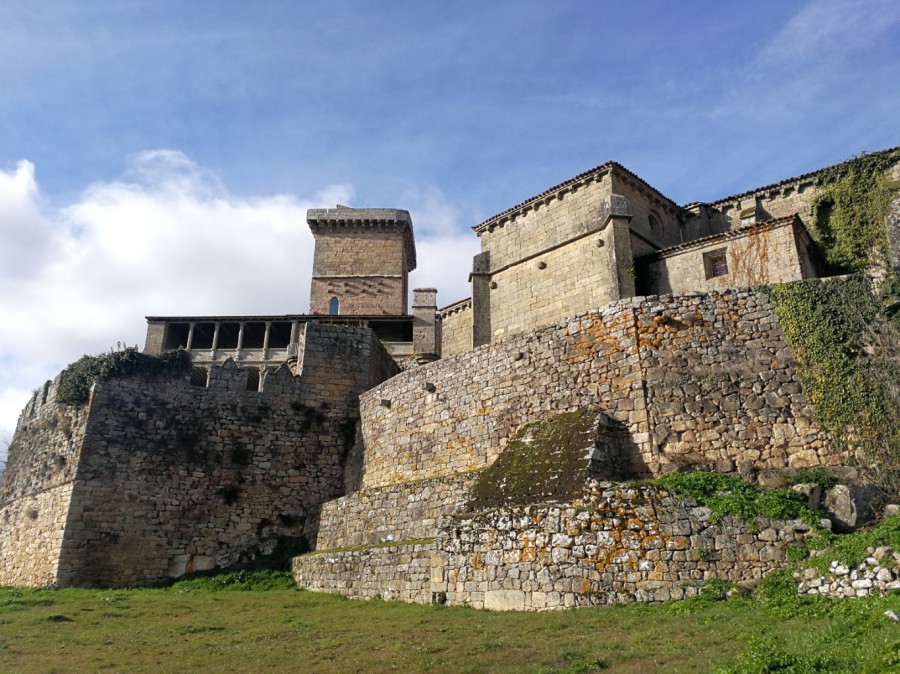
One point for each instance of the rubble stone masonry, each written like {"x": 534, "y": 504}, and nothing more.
{"x": 618, "y": 543}
{"x": 704, "y": 380}
{"x": 161, "y": 478}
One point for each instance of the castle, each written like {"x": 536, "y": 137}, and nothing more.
{"x": 471, "y": 454}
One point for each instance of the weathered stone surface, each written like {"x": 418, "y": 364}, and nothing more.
{"x": 173, "y": 478}
{"x": 616, "y": 543}
{"x": 686, "y": 378}
{"x": 849, "y": 505}
{"x": 400, "y": 572}
{"x": 504, "y": 600}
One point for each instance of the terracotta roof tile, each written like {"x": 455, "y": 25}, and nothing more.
{"x": 730, "y": 234}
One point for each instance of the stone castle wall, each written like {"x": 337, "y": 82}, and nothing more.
{"x": 621, "y": 543}
{"x": 401, "y": 512}
{"x": 36, "y": 488}
{"x": 795, "y": 195}
{"x": 761, "y": 255}
{"x": 721, "y": 386}
{"x": 543, "y": 260}
{"x": 46, "y": 446}
{"x": 538, "y": 291}
{"x": 705, "y": 380}
{"x": 397, "y": 572}
{"x": 31, "y": 536}
{"x": 617, "y": 543}
{"x": 655, "y": 221}
{"x": 365, "y": 270}
{"x": 176, "y": 479}
{"x": 172, "y": 478}
{"x": 780, "y": 201}
{"x": 457, "y": 414}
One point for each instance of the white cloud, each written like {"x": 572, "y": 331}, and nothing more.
{"x": 27, "y": 237}
{"x": 825, "y": 31}
{"x": 815, "y": 53}
{"x": 167, "y": 239}
{"x": 444, "y": 245}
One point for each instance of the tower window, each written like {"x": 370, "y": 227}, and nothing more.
{"x": 334, "y": 306}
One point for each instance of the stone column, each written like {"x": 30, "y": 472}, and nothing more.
{"x": 156, "y": 337}
{"x": 617, "y": 213}
{"x": 481, "y": 299}
{"x": 426, "y": 341}
{"x": 215, "y": 342}
{"x": 266, "y": 340}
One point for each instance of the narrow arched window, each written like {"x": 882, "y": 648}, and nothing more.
{"x": 334, "y": 306}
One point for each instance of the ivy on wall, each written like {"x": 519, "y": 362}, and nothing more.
{"x": 76, "y": 380}
{"x": 849, "y": 215}
{"x": 847, "y": 343}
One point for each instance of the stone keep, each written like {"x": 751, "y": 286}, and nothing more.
{"x": 362, "y": 261}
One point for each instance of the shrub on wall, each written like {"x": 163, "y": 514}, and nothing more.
{"x": 847, "y": 345}
{"x": 76, "y": 380}
{"x": 849, "y": 215}
{"x": 727, "y": 495}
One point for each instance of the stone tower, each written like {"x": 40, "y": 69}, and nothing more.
{"x": 362, "y": 261}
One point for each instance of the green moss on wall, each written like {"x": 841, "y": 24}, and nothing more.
{"x": 546, "y": 460}
{"x": 849, "y": 215}
{"x": 847, "y": 345}
{"x": 76, "y": 380}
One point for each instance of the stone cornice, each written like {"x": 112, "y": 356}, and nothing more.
{"x": 348, "y": 219}
{"x": 596, "y": 174}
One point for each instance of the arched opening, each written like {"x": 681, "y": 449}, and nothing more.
{"x": 334, "y": 306}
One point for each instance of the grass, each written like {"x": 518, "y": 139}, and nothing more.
{"x": 212, "y": 625}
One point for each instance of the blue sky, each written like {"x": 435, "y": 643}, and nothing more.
{"x": 157, "y": 157}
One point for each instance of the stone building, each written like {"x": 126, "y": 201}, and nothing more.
{"x": 606, "y": 234}
{"x": 361, "y": 267}
{"x": 610, "y": 334}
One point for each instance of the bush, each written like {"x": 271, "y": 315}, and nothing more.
{"x": 727, "y": 495}
{"x": 76, "y": 380}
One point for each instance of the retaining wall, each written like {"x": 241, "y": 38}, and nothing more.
{"x": 706, "y": 380}
{"x": 407, "y": 511}
{"x": 619, "y": 543}
{"x": 400, "y": 572}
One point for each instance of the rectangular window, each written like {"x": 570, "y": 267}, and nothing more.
{"x": 715, "y": 263}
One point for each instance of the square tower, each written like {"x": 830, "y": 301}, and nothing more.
{"x": 362, "y": 261}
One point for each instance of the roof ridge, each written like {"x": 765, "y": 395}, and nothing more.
{"x": 459, "y": 304}
{"x": 802, "y": 176}
{"x": 556, "y": 188}
{"x": 731, "y": 233}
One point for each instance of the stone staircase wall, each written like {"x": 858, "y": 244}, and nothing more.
{"x": 400, "y": 512}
